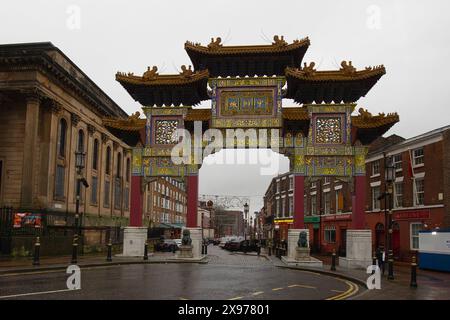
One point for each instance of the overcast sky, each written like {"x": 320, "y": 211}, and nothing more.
{"x": 410, "y": 38}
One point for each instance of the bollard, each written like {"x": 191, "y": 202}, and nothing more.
{"x": 259, "y": 250}
{"x": 413, "y": 283}
{"x": 36, "y": 257}
{"x": 146, "y": 250}
{"x": 109, "y": 256}
{"x": 333, "y": 260}
{"x": 75, "y": 249}
{"x": 270, "y": 251}
{"x": 206, "y": 249}
{"x": 374, "y": 263}
{"x": 203, "y": 248}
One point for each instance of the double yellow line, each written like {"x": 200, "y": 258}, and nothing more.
{"x": 353, "y": 289}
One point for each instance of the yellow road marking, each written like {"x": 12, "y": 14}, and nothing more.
{"x": 236, "y": 298}
{"x": 257, "y": 293}
{"x": 351, "y": 291}
{"x": 338, "y": 291}
{"x": 302, "y": 286}
{"x": 181, "y": 298}
{"x": 276, "y": 289}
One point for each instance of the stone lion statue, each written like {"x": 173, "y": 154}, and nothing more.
{"x": 186, "y": 240}
{"x": 303, "y": 240}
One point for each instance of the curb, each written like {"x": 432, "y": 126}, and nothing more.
{"x": 252, "y": 255}
{"x": 328, "y": 273}
{"x": 93, "y": 265}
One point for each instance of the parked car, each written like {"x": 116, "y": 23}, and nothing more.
{"x": 248, "y": 245}
{"x": 167, "y": 245}
{"x": 232, "y": 245}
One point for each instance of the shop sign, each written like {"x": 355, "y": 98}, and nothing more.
{"x": 284, "y": 221}
{"x": 412, "y": 215}
{"x": 312, "y": 219}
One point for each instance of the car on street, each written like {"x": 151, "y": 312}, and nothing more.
{"x": 178, "y": 242}
{"x": 167, "y": 245}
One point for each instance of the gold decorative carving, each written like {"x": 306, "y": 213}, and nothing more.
{"x": 279, "y": 41}
{"x": 215, "y": 44}
{"x": 186, "y": 72}
{"x": 347, "y": 67}
{"x": 150, "y": 74}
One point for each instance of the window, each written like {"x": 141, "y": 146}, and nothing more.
{"x": 117, "y": 194}
{"x": 305, "y": 206}
{"x": 313, "y": 184}
{"x": 291, "y": 206}
{"x": 62, "y": 133}
{"x": 339, "y": 201}
{"x": 108, "y": 160}
{"x": 291, "y": 183}
{"x": 126, "y": 196}
{"x": 330, "y": 234}
{"x": 278, "y": 186}
{"x": 398, "y": 194}
{"x": 375, "y": 200}
{"x": 326, "y": 180}
{"x": 94, "y": 187}
{"x": 375, "y": 168}
{"x": 95, "y": 155}
{"x": 59, "y": 182}
{"x": 283, "y": 207}
{"x": 419, "y": 192}
{"x": 128, "y": 170}
{"x": 313, "y": 204}
{"x": 326, "y": 201}
{"x": 397, "y": 159}
{"x": 414, "y": 235}
{"x": 106, "y": 194}
{"x": 418, "y": 156}
{"x": 119, "y": 165}
{"x": 80, "y": 144}
{"x": 278, "y": 207}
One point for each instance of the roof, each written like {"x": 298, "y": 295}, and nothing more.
{"x": 152, "y": 89}
{"x": 307, "y": 85}
{"x": 249, "y": 60}
{"x": 48, "y": 59}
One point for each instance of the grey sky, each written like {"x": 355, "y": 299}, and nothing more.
{"x": 410, "y": 38}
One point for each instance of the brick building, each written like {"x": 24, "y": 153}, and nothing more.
{"x": 420, "y": 201}
{"x": 229, "y": 223}
{"x": 49, "y": 109}
{"x": 165, "y": 206}
{"x": 279, "y": 204}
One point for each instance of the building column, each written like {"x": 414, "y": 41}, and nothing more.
{"x": 29, "y": 152}
{"x": 299, "y": 190}
{"x": 192, "y": 201}
{"x": 136, "y": 204}
{"x": 359, "y": 203}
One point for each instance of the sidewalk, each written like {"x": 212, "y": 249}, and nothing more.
{"x": 431, "y": 285}
{"x": 25, "y": 265}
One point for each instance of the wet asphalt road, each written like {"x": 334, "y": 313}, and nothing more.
{"x": 226, "y": 276}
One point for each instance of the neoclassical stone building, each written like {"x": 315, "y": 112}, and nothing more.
{"x": 49, "y": 109}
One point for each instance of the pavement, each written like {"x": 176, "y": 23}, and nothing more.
{"x": 223, "y": 274}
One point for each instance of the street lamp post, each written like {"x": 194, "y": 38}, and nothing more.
{"x": 389, "y": 180}
{"x": 79, "y": 165}
{"x": 245, "y": 220}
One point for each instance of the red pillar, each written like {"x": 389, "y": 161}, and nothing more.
{"x": 299, "y": 214}
{"x": 136, "y": 202}
{"x": 192, "y": 201}
{"x": 359, "y": 203}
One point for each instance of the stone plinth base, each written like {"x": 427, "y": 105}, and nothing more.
{"x": 196, "y": 236}
{"x": 302, "y": 254}
{"x": 358, "y": 250}
{"x": 134, "y": 241}
{"x": 293, "y": 235}
{"x": 185, "y": 252}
